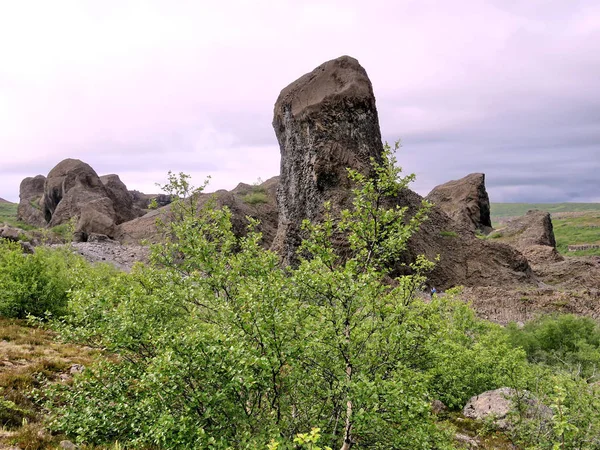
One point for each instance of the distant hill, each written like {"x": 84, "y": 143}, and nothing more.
{"x": 4, "y": 201}
{"x": 499, "y": 210}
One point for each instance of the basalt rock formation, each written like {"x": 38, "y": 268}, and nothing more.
{"x": 256, "y": 201}
{"x": 122, "y": 199}
{"x": 325, "y": 122}
{"x": 73, "y": 189}
{"x": 531, "y": 234}
{"x": 31, "y": 192}
{"x": 466, "y": 201}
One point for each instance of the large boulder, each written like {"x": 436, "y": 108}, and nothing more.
{"x": 122, "y": 199}
{"x": 69, "y": 185}
{"x": 466, "y": 201}
{"x": 531, "y": 234}
{"x": 325, "y": 122}
{"x": 31, "y": 192}
{"x": 497, "y": 405}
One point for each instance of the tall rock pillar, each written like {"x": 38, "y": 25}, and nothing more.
{"x": 325, "y": 122}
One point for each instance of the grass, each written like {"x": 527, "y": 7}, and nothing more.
{"x": 519, "y": 209}
{"x": 8, "y": 214}
{"x": 577, "y": 230}
{"x": 30, "y": 358}
{"x": 448, "y": 233}
{"x": 256, "y": 196}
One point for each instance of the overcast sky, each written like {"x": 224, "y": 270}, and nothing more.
{"x": 510, "y": 88}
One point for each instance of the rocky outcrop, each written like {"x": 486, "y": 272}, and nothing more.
{"x": 122, "y": 199}
{"x": 325, "y": 122}
{"x": 466, "y": 201}
{"x": 464, "y": 259}
{"x": 10, "y": 233}
{"x": 256, "y": 201}
{"x": 69, "y": 185}
{"x": 531, "y": 234}
{"x": 534, "y": 228}
{"x": 31, "y": 192}
{"x": 74, "y": 190}
{"x": 142, "y": 201}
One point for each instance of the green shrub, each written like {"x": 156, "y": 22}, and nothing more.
{"x": 255, "y": 197}
{"x": 566, "y": 341}
{"x": 37, "y": 283}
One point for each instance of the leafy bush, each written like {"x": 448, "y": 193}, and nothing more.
{"x": 34, "y": 284}
{"x": 566, "y": 341}
{"x": 255, "y": 198}
{"x": 220, "y": 347}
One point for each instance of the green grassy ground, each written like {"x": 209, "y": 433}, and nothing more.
{"x": 577, "y": 230}
{"x": 8, "y": 214}
{"x": 519, "y": 209}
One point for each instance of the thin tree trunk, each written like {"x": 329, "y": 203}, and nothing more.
{"x": 348, "y": 428}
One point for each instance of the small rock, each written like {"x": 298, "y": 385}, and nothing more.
{"x": 471, "y": 443}
{"x": 76, "y": 368}
{"x": 438, "y": 407}
{"x": 68, "y": 445}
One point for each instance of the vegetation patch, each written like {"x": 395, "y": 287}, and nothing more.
{"x": 448, "y": 234}
{"x": 255, "y": 195}
{"x": 577, "y": 230}
{"x": 520, "y": 209}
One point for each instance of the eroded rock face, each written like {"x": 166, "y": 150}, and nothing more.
{"x": 466, "y": 201}
{"x": 325, "y": 122}
{"x": 74, "y": 190}
{"x": 533, "y": 235}
{"x": 69, "y": 185}
{"x": 31, "y": 192}
{"x": 258, "y": 202}
{"x": 122, "y": 199}
{"x": 534, "y": 228}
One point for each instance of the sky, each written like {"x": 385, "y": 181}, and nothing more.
{"x": 509, "y": 88}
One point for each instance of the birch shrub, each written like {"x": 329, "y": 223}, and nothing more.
{"x": 217, "y": 346}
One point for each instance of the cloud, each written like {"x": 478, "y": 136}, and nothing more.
{"x": 508, "y": 88}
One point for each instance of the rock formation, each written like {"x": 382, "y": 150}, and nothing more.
{"x": 531, "y": 234}
{"x": 258, "y": 202}
{"x": 498, "y": 403}
{"x": 31, "y": 192}
{"x": 121, "y": 198}
{"x": 466, "y": 201}
{"x": 69, "y": 185}
{"x": 74, "y": 190}
{"x": 325, "y": 122}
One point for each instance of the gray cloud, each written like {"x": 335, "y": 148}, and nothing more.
{"x": 505, "y": 87}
